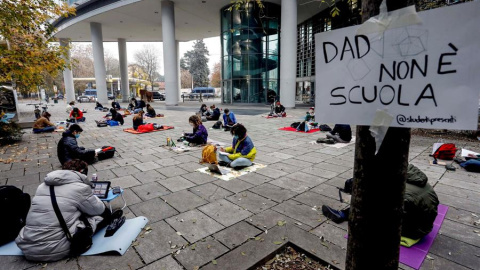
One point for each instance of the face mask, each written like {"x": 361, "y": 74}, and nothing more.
{"x": 77, "y": 136}
{"x": 235, "y": 136}
{"x": 192, "y": 125}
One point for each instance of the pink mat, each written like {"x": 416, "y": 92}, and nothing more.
{"x": 294, "y": 129}
{"x": 415, "y": 255}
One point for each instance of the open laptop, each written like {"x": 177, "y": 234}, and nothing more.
{"x": 214, "y": 168}
{"x": 101, "y": 188}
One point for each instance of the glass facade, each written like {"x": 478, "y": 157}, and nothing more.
{"x": 250, "y": 52}
{"x": 321, "y": 22}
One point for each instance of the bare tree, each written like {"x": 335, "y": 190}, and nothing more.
{"x": 82, "y": 65}
{"x": 112, "y": 64}
{"x": 147, "y": 58}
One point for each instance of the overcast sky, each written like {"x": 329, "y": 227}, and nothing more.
{"x": 213, "y": 46}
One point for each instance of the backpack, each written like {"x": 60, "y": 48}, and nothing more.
{"x": 217, "y": 125}
{"x": 446, "y": 151}
{"x": 14, "y": 206}
{"x": 112, "y": 123}
{"x": 325, "y": 127}
{"x": 107, "y": 152}
{"x": 295, "y": 124}
{"x": 101, "y": 123}
{"x": 209, "y": 154}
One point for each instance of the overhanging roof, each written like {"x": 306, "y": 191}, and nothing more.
{"x": 140, "y": 20}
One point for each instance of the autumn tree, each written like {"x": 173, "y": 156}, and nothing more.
{"x": 147, "y": 58}
{"x": 216, "y": 75}
{"x": 31, "y": 49}
{"x": 196, "y": 62}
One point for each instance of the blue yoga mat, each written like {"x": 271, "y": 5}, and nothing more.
{"x": 119, "y": 242}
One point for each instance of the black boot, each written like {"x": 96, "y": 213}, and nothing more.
{"x": 335, "y": 215}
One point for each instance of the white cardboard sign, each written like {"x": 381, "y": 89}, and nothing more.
{"x": 425, "y": 75}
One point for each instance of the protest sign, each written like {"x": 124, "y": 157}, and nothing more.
{"x": 425, "y": 75}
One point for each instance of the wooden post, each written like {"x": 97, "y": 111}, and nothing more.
{"x": 374, "y": 225}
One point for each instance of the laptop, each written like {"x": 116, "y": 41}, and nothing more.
{"x": 101, "y": 188}
{"x": 214, "y": 168}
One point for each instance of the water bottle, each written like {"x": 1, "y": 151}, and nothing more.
{"x": 94, "y": 177}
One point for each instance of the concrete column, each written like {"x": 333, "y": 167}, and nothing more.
{"x": 122, "y": 55}
{"x": 177, "y": 44}
{"x": 288, "y": 47}
{"x": 68, "y": 75}
{"x": 169, "y": 54}
{"x": 99, "y": 62}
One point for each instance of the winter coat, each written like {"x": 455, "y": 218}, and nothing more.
{"x": 137, "y": 121}
{"x": 79, "y": 116}
{"x": 279, "y": 109}
{"x": 119, "y": 118}
{"x": 42, "y": 238}
{"x": 419, "y": 205}
{"x": 199, "y": 134}
{"x": 42, "y": 122}
{"x": 68, "y": 149}
{"x": 242, "y": 148}
{"x": 116, "y": 105}
{"x": 232, "y": 118}
{"x": 215, "y": 114}
{"x": 344, "y": 131}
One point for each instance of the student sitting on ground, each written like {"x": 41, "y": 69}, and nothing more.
{"x": 70, "y": 106}
{"x": 204, "y": 110}
{"x": 228, "y": 119}
{"x": 138, "y": 120}
{"x": 340, "y": 133}
{"x": 419, "y": 207}
{"x": 280, "y": 110}
{"x": 150, "y": 111}
{"x": 305, "y": 126}
{"x": 133, "y": 104}
{"x": 215, "y": 115}
{"x": 116, "y": 105}
{"x": 199, "y": 135}
{"x": 76, "y": 115}
{"x": 140, "y": 105}
{"x": 116, "y": 116}
{"x": 242, "y": 152}
{"x": 42, "y": 238}
{"x": 68, "y": 149}
{"x": 43, "y": 124}
{"x": 98, "y": 106}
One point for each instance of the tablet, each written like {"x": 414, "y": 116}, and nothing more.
{"x": 101, "y": 188}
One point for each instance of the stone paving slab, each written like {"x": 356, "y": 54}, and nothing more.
{"x": 210, "y": 192}
{"x": 200, "y": 253}
{"x": 184, "y": 200}
{"x": 194, "y": 225}
{"x": 273, "y": 192}
{"x": 155, "y": 209}
{"x": 167, "y": 263}
{"x": 225, "y": 212}
{"x": 237, "y": 234}
{"x": 251, "y": 201}
{"x": 176, "y": 183}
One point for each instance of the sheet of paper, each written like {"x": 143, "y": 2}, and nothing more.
{"x": 466, "y": 152}
{"x": 223, "y": 153}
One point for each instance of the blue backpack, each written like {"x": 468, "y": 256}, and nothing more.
{"x": 112, "y": 123}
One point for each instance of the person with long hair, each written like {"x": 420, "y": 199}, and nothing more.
{"x": 199, "y": 135}
{"x": 43, "y": 124}
{"x": 76, "y": 115}
{"x": 138, "y": 120}
{"x": 150, "y": 111}
{"x": 116, "y": 116}
{"x": 241, "y": 153}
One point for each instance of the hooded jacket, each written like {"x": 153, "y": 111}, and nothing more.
{"x": 232, "y": 118}
{"x": 42, "y": 238}
{"x": 242, "y": 148}
{"x": 68, "y": 149}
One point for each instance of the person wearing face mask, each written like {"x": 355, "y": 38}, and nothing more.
{"x": 42, "y": 238}
{"x": 228, "y": 119}
{"x": 199, "y": 135}
{"x": 242, "y": 152}
{"x": 68, "y": 148}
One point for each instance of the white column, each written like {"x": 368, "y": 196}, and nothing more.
{"x": 99, "y": 62}
{"x": 122, "y": 56}
{"x": 68, "y": 75}
{"x": 177, "y": 44}
{"x": 288, "y": 47}
{"x": 169, "y": 54}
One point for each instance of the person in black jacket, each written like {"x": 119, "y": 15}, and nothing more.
{"x": 341, "y": 133}
{"x": 68, "y": 148}
{"x": 115, "y": 105}
{"x": 116, "y": 116}
{"x": 215, "y": 113}
{"x": 280, "y": 110}
{"x": 133, "y": 104}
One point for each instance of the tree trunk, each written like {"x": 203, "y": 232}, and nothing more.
{"x": 374, "y": 226}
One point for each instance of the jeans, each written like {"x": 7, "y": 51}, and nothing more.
{"x": 137, "y": 110}
{"x": 336, "y": 137}
{"x": 45, "y": 129}
{"x": 239, "y": 162}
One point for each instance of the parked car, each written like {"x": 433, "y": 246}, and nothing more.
{"x": 111, "y": 97}
{"x": 207, "y": 92}
{"x": 84, "y": 99}
{"x": 158, "y": 95}
{"x": 60, "y": 96}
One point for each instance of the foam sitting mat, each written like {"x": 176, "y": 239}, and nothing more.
{"x": 337, "y": 144}
{"x": 133, "y": 131}
{"x": 295, "y": 130}
{"x": 119, "y": 242}
{"x": 232, "y": 174}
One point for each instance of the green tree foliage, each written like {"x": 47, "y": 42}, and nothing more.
{"x": 196, "y": 62}
{"x": 30, "y": 50}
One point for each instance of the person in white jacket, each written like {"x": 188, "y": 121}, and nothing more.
{"x": 42, "y": 238}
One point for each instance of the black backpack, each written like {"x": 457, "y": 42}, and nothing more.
{"x": 217, "y": 125}
{"x": 295, "y": 124}
{"x": 325, "y": 127}
{"x": 106, "y": 153}
{"x": 14, "y": 206}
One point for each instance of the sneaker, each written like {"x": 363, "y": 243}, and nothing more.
{"x": 335, "y": 215}
{"x": 114, "y": 226}
{"x": 223, "y": 163}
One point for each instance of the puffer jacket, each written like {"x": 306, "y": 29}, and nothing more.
{"x": 242, "y": 148}
{"x": 200, "y": 134}
{"x": 42, "y": 238}
{"x": 68, "y": 149}
{"x": 419, "y": 205}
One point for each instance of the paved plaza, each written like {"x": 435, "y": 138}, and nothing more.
{"x": 200, "y": 218}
